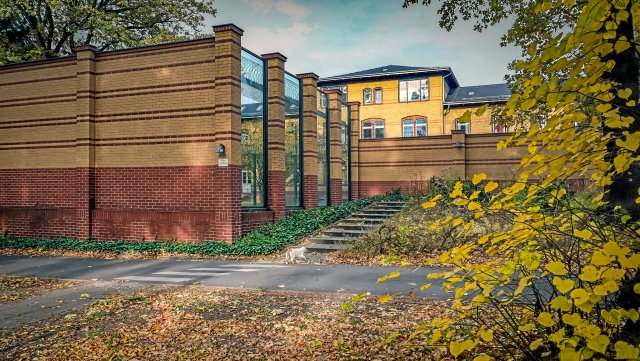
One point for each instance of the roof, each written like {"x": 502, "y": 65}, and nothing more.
{"x": 395, "y": 71}
{"x": 478, "y": 94}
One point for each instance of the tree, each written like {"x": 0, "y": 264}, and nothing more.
{"x": 563, "y": 280}
{"x": 36, "y": 29}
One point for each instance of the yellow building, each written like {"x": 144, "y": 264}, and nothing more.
{"x": 402, "y": 101}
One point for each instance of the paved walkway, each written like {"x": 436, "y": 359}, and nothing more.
{"x": 57, "y": 302}
{"x": 299, "y": 277}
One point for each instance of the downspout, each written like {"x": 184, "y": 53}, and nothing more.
{"x": 444, "y": 113}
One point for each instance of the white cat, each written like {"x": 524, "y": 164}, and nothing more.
{"x": 295, "y": 253}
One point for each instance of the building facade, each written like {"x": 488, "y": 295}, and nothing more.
{"x": 403, "y": 102}
{"x": 205, "y": 140}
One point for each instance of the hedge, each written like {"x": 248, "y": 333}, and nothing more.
{"x": 264, "y": 240}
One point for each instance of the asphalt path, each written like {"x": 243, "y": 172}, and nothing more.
{"x": 273, "y": 276}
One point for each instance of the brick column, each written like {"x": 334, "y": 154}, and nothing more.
{"x": 309, "y": 83}
{"x": 85, "y": 138}
{"x": 227, "y": 129}
{"x": 459, "y": 153}
{"x": 354, "y": 114}
{"x": 275, "y": 120}
{"x": 335, "y": 146}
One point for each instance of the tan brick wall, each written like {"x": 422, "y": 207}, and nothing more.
{"x": 479, "y": 125}
{"x": 392, "y": 111}
{"x": 409, "y": 163}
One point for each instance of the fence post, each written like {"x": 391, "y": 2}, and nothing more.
{"x": 459, "y": 159}
{"x": 227, "y": 128}
{"x": 85, "y": 137}
{"x": 276, "y": 124}
{"x": 310, "y": 138}
{"x": 354, "y": 108}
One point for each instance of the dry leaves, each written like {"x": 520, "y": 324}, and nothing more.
{"x": 199, "y": 323}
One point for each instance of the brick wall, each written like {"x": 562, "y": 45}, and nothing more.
{"x": 121, "y": 144}
{"x": 408, "y": 163}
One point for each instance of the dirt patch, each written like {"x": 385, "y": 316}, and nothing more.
{"x": 201, "y": 323}
{"x": 14, "y": 289}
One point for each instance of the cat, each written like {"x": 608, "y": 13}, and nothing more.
{"x": 295, "y": 253}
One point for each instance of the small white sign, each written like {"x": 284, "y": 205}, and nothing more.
{"x": 223, "y": 162}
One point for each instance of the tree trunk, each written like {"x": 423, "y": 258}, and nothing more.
{"x": 624, "y": 190}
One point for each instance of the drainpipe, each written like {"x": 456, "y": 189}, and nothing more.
{"x": 444, "y": 114}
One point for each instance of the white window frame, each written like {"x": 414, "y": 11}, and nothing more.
{"x": 364, "y": 96}
{"x": 423, "y": 90}
{"x": 426, "y": 127}
{"x": 467, "y": 126}
{"x": 408, "y": 123}
{"x": 377, "y": 100}
{"x": 378, "y": 124}
{"x": 370, "y": 127}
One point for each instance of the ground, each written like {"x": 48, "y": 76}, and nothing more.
{"x": 160, "y": 322}
{"x": 18, "y": 288}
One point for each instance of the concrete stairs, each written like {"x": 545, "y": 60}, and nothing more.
{"x": 339, "y": 235}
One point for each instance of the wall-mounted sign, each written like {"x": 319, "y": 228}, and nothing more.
{"x": 223, "y": 162}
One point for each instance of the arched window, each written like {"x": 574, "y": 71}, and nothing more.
{"x": 372, "y": 129}
{"x": 377, "y": 95}
{"x": 366, "y": 96}
{"x": 414, "y": 126}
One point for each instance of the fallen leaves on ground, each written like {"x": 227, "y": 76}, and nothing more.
{"x": 204, "y": 323}
{"x": 18, "y": 288}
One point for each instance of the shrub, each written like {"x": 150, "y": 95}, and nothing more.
{"x": 264, "y": 240}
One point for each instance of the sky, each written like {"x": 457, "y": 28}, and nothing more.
{"x": 333, "y": 37}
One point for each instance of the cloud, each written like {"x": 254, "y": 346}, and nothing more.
{"x": 296, "y": 12}
{"x": 284, "y": 39}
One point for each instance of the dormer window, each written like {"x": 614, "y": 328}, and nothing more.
{"x": 366, "y": 96}
{"x": 413, "y": 90}
{"x": 472, "y": 93}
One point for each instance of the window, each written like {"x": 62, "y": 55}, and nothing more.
{"x": 379, "y": 129}
{"x": 367, "y": 130}
{"x": 542, "y": 120}
{"x": 407, "y": 128}
{"x": 466, "y": 126}
{"x": 413, "y": 90}
{"x": 372, "y": 129}
{"x": 366, "y": 96}
{"x": 421, "y": 128}
{"x": 414, "y": 126}
{"x": 378, "y": 96}
{"x": 499, "y": 125}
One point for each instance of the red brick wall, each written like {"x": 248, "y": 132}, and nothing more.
{"x": 254, "y": 219}
{"x": 310, "y": 196}
{"x": 43, "y": 188}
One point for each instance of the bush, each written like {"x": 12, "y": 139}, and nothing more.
{"x": 264, "y": 240}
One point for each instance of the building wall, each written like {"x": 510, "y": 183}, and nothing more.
{"x": 392, "y": 111}
{"x": 479, "y": 125}
{"x": 408, "y": 163}
{"x": 122, "y": 142}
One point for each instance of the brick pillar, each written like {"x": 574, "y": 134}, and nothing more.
{"x": 85, "y": 138}
{"x": 459, "y": 157}
{"x": 309, "y": 83}
{"x": 227, "y": 102}
{"x": 354, "y": 114}
{"x": 335, "y": 146}
{"x": 275, "y": 121}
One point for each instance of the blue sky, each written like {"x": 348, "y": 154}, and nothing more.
{"x": 331, "y": 37}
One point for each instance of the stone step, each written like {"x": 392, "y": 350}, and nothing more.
{"x": 324, "y": 248}
{"x": 379, "y": 210}
{"x": 330, "y": 240}
{"x": 371, "y": 215}
{"x": 364, "y": 220}
{"x": 345, "y": 232}
{"x": 370, "y": 226}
